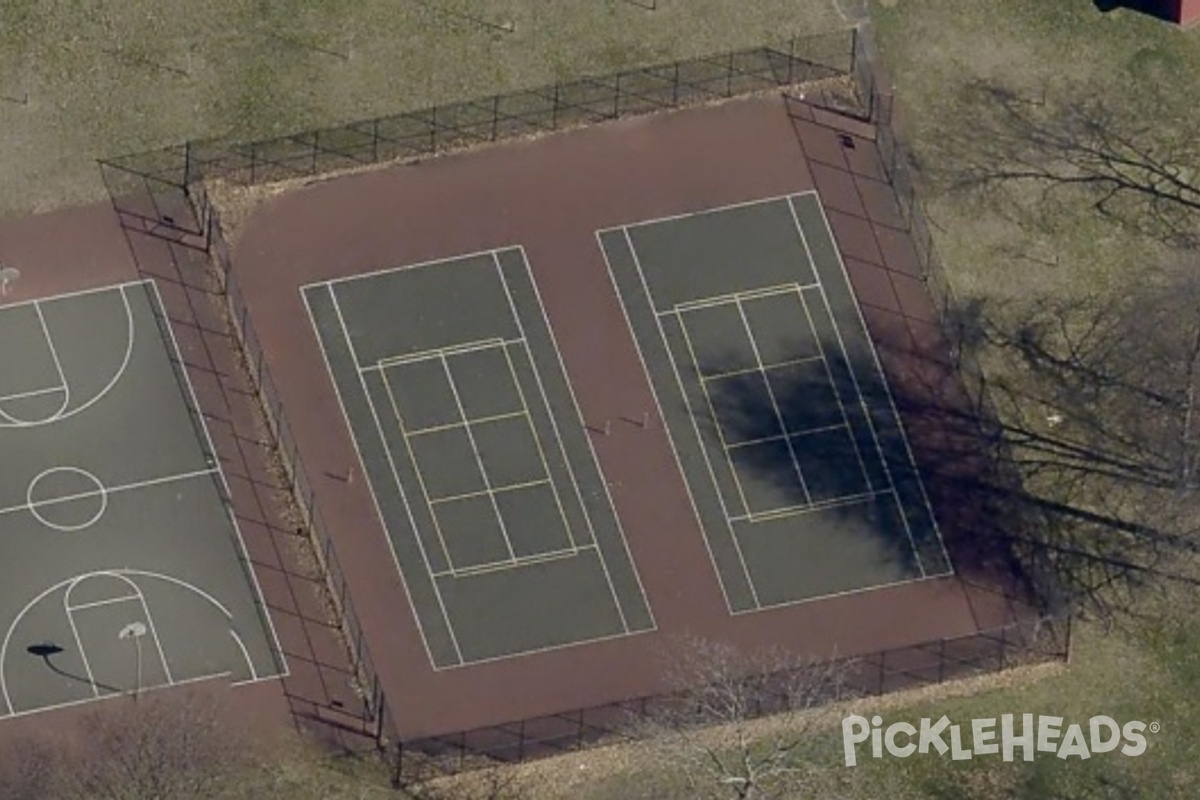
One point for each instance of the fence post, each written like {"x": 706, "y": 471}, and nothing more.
{"x": 377, "y": 710}
{"x": 316, "y": 146}
{"x": 398, "y": 775}
{"x": 495, "y": 116}
{"x": 375, "y": 140}
{"x": 433, "y": 130}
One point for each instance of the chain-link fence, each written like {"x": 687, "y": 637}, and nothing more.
{"x": 161, "y": 192}
{"x": 310, "y": 522}
{"x": 1039, "y": 640}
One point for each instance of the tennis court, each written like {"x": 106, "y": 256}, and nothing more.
{"x": 478, "y": 460}
{"x": 778, "y": 411}
{"x": 122, "y": 568}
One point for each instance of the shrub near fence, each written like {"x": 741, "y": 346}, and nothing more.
{"x": 284, "y": 445}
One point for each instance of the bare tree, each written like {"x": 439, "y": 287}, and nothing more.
{"x": 1100, "y": 401}
{"x": 1072, "y": 139}
{"x": 163, "y": 746}
{"x": 31, "y": 769}
{"x": 736, "y": 724}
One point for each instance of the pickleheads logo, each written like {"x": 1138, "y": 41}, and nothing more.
{"x": 1046, "y": 734}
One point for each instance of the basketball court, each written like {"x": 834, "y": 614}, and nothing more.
{"x": 477, "y": 457}
{"x": 123, "y": 567}
{"x": 775, "y": 402}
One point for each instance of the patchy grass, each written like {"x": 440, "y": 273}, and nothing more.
{"x": 935, "y": 48}
{"x": 1150, "y": 676}
{"x": 1025, "y": 248}
{"x": 119, "y": 76}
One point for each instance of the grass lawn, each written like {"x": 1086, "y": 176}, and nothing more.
{"x": 80, "y": 81}
{"x": 1147, "y": 667}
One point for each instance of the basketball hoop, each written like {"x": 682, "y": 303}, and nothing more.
{"x": 8, "y": 276}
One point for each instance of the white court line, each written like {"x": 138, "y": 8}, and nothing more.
{"x": 87, "y": 667}
{"x": 538, "y": 651}
{"x": 403, "y": 268}
{"x": 71, "y": 295}
{"x": 337, "y": 392}
{"x": 537, "y": 442}
{"x": 862, "y": 464}
{"x": 31, "y": 393}
{"x": 395, "y": 478}
{"x": 412, "y": 456}
{"x": 716, "y": 419}
{"x": 821, "y": 505}
{"x": 183, "y": 476}
{"x": 228, "y": 495}
{"x": 661, "y": 415}
{"x": 821, "y": 598}
{"x": 62, "y": 378}
{"x": 774, "y": 401}
{"x": 612, "y": 590}
{"x": 731, "y": 298}
{"x": 854, "y": 377}
{"x": 887, "y": 390}
{"x": 518, "y": 563}
{"x": 70, "y": 582}
{"x": 487, "y": 481}
{"x": 512, "y": 487}
{"x": 792, "y": 362}
{"x": 154, "y": 632}
{"x": 13, "y": 423}
{"x": 562, "y": 367}
{"x": 695, "y": 426}
{"x": 786, "y": 435}
{"x": 93, "y": 604}
{"x": 115, "y": 695}
{"x": 440, "y": 352}
{"x": 703, "y": 212}
{"x": 453, "y": 425}
{"x": 245, "y": 654}
{"x": 140, "y": 598}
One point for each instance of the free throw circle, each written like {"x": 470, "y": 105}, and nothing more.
{"x": 66, "y": 498}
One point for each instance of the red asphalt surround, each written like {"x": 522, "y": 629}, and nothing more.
{"x": 550, "y": 196}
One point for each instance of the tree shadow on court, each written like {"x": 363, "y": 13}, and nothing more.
{"x": 47, "y": 650}
{"x": 1074, "y": 467}
{"x": 834, "y": 456}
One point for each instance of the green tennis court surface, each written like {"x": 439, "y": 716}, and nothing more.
{"x": 481, "y": 470}
{"x": 777, "y": 408}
